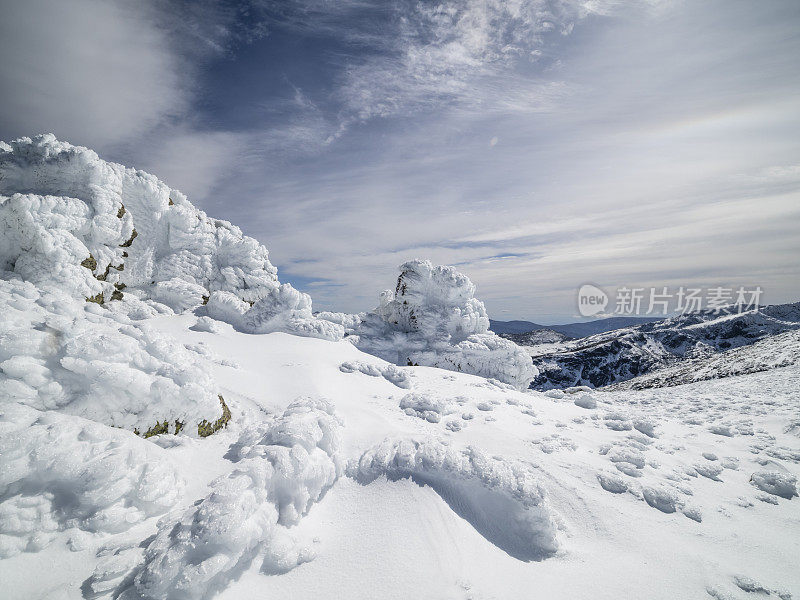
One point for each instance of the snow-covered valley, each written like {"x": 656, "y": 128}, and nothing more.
{"x": 203, "y": 434}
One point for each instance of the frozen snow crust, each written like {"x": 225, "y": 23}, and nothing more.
{"x": 100, "y": 231}
{"x": 433, "y": 319}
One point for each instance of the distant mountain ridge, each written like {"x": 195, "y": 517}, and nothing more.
{"x": 571, "y": 330}
{"x": 620, "y": 355}
{"x": 771, "y": 352}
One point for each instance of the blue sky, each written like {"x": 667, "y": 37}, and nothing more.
{"x": 536, "y": 145}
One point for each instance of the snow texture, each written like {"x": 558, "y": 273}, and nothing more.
{"x": 281, "y": 472}
{"x": 61, "y": 472}
{"x": 778, "y": 484}
{"x": 501, "y": 499}
{"x": 389, "y": 372}
{"x": 433, "y": 319}
{"x": 77, "y": 358}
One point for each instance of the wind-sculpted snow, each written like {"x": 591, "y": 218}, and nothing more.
{"x": 433, "y": 319}
{"x": 282, "y": 309}
{"x": 282, "y": 470}
{"x": 80, "y": 359}
{"x": 501, "y": 499}
{"x": 62, "y": 472}
{"x": 103, "y": 232}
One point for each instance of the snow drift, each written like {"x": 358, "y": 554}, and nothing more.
{"x": 433, "y": 319}
{"x": 501, "y": 499}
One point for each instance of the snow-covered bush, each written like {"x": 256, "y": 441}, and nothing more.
{"x": 433, "y": 319}
{"x": 61, "y": 472}
{"x": 282, "y": 470}
{"x": 101, "y": 232}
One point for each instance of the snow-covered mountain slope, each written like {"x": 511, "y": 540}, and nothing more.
{"x": 478, "y": 490}
{"x": 621, "y": 355}
{"x": 432, "y": 318}
{"x": 771, "y": 352}
{"x": 536, "y": 338}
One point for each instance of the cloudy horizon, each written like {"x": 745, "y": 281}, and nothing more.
{"x": 536, "y": 146}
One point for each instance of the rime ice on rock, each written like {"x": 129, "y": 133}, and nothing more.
{"x": 103, "y": 232}
{"x": 433, "y": 319}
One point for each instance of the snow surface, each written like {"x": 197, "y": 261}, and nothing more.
{"x": 536, "y": 497}
{"x": 341, "y": 474}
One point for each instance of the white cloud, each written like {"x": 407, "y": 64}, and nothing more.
{"x": 90, "y": 71}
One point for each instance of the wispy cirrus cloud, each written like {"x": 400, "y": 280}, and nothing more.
{"x": 535, "y": 144}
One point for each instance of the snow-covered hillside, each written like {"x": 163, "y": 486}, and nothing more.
{"x": 771, "y": 352}
{"x": 477, "y": 489}
{"x": 625, "y": 354}
{"x": 178, "y": 442}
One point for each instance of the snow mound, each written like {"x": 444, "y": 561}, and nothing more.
{"x": 101, "y": 232}
{"x": 389, "y": 372}
{"x": 427, "y": 406}
{"x": 501, "y": 499}
{"x": 433, "y": 319}
{"x": 777, "y": 484}
{"x": 661, "y": 498}
{"x": 586, "y": 401}
{"x": 61, "y": 472}
{"x": 77, "y": 358}
{"x": 282, "y": 470}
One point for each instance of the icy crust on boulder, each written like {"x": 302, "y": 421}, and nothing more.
{"x": 433, "y": 319}
{"x": 80, "y": 359}
{"x": 101, "y": 231}
{"x": 62, "y": 472}
{"x": 282, "y": 471}
{"x": 501, "y": 499}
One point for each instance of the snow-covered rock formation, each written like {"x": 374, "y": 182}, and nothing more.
{"x": 67, "y": 473}
{"x": 59, "y": 353}
{"x": 90, "y": 249}
{"x": 433, "y": 319}
{"x": 103, "y": 232}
